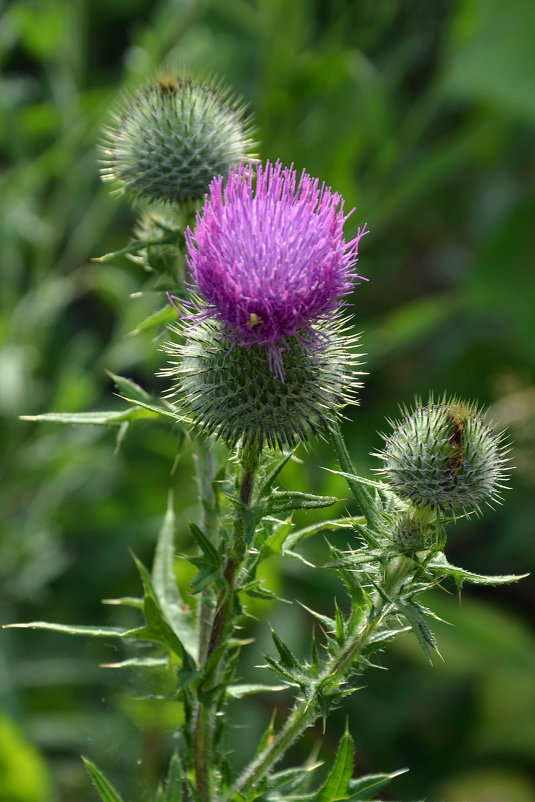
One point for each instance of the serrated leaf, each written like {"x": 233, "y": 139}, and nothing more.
{"x": 173, "y": 783}
{"x": 439, "y": 566}
{"x": 336, "y": 785}
{"x": 209, "y": 551}
{"x": 380, "y": 639}
{"x": 424, "y": 636}
{"x": 105, "y": 789}
{"x": 339, "y": 626}
{"x": 287, "y": 657}
{"x": 288, "y": 500}
{"x": 266, "y": 485}
{"x": 165, "y": 585}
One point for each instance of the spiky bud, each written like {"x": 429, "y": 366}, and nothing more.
{"x": 163, "y": 244}
{"x": 445, "y": 456}
{"x": 414, "y": 529}
{"x": 232, "y": 392}
{"x": 173, "y": 137}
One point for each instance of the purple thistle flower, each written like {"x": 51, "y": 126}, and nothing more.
{"x": 269, "y": 259}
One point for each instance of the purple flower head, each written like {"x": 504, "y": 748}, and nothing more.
{"x": 268, "y": 257}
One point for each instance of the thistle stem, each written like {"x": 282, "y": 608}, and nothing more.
{"x": 307, "y": 711}
{"x": 221, "y": 626}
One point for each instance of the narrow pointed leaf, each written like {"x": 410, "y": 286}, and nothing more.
{"x": 129, "y": 388}
{"x": 272, "y": 474}
{"x": 113, "y": 417}
{"x": 365, "y": 788}
{"x": 68, "y": 629}
{"x": 288, "y": 659}
{"x": 239, "y": 691}
{"x": 300, "y": 534}
{"x": 105, "y": 789}
{"x": 440, "y": 566}
{"x": 287, "y": 500}
{"x": 206, "y": 547}
{"x": 166, "y": 588}
{"x": 173, "y": 783}
{"x": 336, "y": 784}
{"x": 164, "y": 315}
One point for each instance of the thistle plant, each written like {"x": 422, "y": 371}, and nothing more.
{"x": 261, "y": 357}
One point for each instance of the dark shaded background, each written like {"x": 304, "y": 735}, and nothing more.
{"x": 422, "y": 115}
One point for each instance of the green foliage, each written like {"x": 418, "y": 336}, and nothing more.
{"x": 425, "y": 122}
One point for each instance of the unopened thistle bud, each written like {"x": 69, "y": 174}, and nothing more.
{"x": 232, "y": 392}
{"x": 445, "y": 456}
{"x": 173, "y": 137}
{"x": 163, "y": 244}
{"x": 415, "y": 529}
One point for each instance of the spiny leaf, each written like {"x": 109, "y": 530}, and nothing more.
{"x": 440, "y": 566}
{"x": 173, "y": 783}
{"x": 365, "y": 788}
{"x": 336, "y": 784}
{"x": 105, "y": 418}
{"x": 288, "y": 659}
{"x": 206, "y": 547}
{"x": 337, "y": 523}
{"x": 129, "y": 388}
{"x": 71, "y": 629}
{"x": 287, "y": 500}
{"x": 239, "y": 691}
{"x": 164, "y": 315}
{"x": 267, "y": 482}
{"x": 105, "y": 789}
{"x": 165, "y": 585}
{"x": 424, "y": 636}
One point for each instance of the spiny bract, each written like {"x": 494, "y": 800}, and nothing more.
{"x": 232, "y": 392}
{"x": 173, "y": 137}
{"x": 446, "y": 456}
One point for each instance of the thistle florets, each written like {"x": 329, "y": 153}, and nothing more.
{"x": 269, "y": 260}
{"x": 172, "y": 137}
{"x": 445, "y": 456}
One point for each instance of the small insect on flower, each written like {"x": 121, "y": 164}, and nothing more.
{"x": 457, "y": 415}
{"x": 254, "y": 321}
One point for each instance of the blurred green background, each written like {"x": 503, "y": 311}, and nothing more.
{"x": 422, "y": 115}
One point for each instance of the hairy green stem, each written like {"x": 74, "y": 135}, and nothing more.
{"x": 220, "y": 628}
{"x": 307, "y": 711}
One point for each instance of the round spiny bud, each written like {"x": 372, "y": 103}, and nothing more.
{"x": 174, "y": 136}
{"x": 445, "y": 456}
{"x": 232, "y": 392}
{"x": 162, "y": 240}
{"x": 412, "y": 532}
